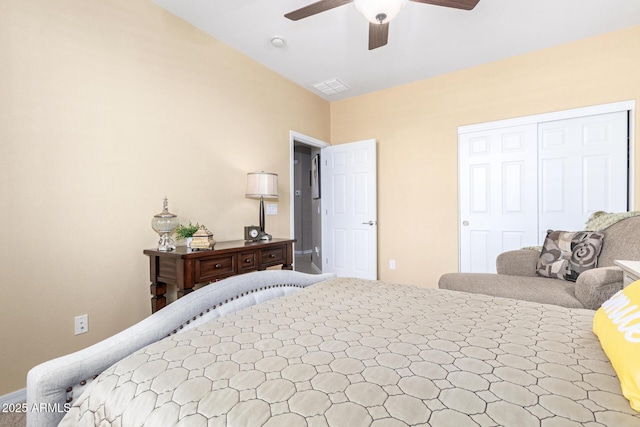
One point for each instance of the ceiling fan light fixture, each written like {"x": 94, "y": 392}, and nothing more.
{"x": 379, "y": 11}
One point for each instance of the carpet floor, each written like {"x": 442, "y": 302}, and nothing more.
{"x": 303, "y": 264}
{"x": 13, "y": 419}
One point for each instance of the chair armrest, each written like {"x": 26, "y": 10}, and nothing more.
{"x": 597, "y": 285}
{"x": 521, "y": 262}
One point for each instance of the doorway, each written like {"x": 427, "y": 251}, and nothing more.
{"x": 343, "y": 207}
{"x": 307, "y": 228}
{"x": 306, "y": 220}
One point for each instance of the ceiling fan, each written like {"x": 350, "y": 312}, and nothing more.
{"x": 377, "y": 12}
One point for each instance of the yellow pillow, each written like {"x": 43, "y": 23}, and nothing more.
{"x": 617, "y": 325}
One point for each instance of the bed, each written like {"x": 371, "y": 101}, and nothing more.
{"x": 326, "y": 351}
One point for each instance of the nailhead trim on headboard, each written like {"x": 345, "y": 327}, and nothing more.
{"x": 82, "y": 383}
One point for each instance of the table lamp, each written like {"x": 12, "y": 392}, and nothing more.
{"x": 261, "y": 185}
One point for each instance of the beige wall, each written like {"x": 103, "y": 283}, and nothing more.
{"x": 106, "y": 107}
{"x": 416, "y": 128}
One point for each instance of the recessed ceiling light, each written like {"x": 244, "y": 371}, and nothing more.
{"x": 278, "y": 41}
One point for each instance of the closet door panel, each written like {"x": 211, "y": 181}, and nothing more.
{"x": 583, "y": 169}
{"x": 597, "y": 182}
{"x": 552, "y": 189}
{"x": 498, "y": 190}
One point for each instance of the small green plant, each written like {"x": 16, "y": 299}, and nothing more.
{"x": 185, "y": 231}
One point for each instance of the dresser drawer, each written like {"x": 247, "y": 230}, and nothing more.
{"x": 215, "y": 268}
{"x": 247, "y": 262}
{"x": 272, "y": 256}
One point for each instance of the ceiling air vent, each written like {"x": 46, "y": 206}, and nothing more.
{"x": 331, "y": 87}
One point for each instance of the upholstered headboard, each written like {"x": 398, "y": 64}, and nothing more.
{"x": 54, "y": 385}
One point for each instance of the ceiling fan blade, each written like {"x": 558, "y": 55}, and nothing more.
{"x": 457, "y": 4}
{"x": 314, "y": 8}
{"x": 378, "y": 35}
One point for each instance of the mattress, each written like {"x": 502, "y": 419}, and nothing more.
{"x": 351, "y": 352}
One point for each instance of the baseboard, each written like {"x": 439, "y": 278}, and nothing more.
{"x": 15, "y": 397}
{"x": 308, "y": 251}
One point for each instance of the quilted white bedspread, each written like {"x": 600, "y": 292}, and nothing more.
{"x": 350, "y": 352}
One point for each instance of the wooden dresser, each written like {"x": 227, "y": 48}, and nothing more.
{"x": 186, "y": 268}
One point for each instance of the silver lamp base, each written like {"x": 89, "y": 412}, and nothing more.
{"x": 264, "y": 236}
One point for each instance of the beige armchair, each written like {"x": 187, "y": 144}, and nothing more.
{"x": 517, "y": 278}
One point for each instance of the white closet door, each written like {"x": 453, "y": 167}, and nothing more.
{"x": 517, "y": 182}
{"x": 498, "y": 194}
{"x": 583, "y": 168}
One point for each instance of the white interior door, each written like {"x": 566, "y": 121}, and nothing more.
{"x": 582, "y": 169}
{"x": 498, "y": 194}
{"x": 349, "y": 201}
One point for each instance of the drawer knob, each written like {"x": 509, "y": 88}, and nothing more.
{"x": 218, "y": 265}
{"x": 272, "y": 255}
{"x": 247, "y": 260}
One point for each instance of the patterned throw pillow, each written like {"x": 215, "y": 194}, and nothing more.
{"x": 567, "y": 254}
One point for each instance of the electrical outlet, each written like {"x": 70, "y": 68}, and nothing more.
{"x": 272, "y": 209}
{"x": 392, "y": 264}
{"x": 81, "y": 324}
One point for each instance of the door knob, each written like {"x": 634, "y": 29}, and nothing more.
{"x": 465, "y": 223}
{"x": 370, "y": 222}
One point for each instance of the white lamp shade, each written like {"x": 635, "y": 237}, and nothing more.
{"x": 262, "y": 184}
{"x": 371, "y": 9}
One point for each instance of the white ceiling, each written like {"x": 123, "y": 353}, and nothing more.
{"x": 424, "y": 40}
